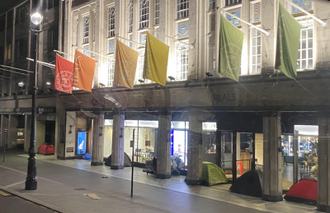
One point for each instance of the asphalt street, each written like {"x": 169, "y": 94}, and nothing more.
{"x": 83, "y": 191}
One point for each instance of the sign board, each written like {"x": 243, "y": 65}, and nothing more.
{"x": 132, "y": 143}
{"x": 46, "y": 110}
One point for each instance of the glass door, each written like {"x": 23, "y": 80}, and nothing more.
{"x": 245, "y": 153}
{"x": 180, "y": 141}
{"x": 226, "y": 154}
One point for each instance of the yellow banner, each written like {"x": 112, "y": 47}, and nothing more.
{"x": 83, "y": 73}
{"x": 125, "y": 65}
{"x": 155, "y": 61}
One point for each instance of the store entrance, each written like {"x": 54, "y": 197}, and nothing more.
{"x": 179, "y": 144}
{"x": 237, "y": 154}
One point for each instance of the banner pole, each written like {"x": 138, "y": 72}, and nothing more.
{"x": 307, "y": 13}
{"x": 42, "y": 63}
{"x": 245, "y": 22}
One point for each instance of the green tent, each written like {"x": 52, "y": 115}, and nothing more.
{"x": 213, "y": 174}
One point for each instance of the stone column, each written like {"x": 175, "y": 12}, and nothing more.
{"x": 194, "y": 173}
{"x": 272, "y": 174}
{"x": 323, "y": 175}
{"x": 117, "y": 156}
{"x": 164, "y": 145}
{"x": 98, "y": 140}
{"x": 59, "y": 128}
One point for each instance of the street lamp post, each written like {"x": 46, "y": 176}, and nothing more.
{"x": 31, "y": 179}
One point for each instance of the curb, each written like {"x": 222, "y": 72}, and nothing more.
{"x": 34, "y": 200}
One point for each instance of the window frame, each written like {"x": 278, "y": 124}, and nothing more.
{"x": 229, "y": 3}
{"x": 130, "y": 17}
{"x": 309, "y": 28}
{"x": 156, "y": 12}
{"x": 182, "y": 13}
{"x": 111, "y": 21}
{"x": 251, "y": 49}
{"x": 85, "y": 28}
{"x": 144, "y": 14}
{"x": 182, "y": 69}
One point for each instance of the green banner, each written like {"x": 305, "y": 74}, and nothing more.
{"x": 231, "y": 44}
{"x": 288, "y": 35}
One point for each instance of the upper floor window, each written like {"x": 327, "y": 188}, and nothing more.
{"x": 111, "y": 71}
{"x": 21, "y": 49}
{"x": 94, "y": 26}
{"x": 2, "y": 22}
{"x": 52, "y": 38}
{"x": 182, "y": 9}
{"x": 143, "y": 14}
{"x": 157, "y": 9}
{"x": 86, "y": 50}
{"x": 212, "y": 53}
{"x": 52, "y": 3}
{"x": 255, "y": 51}
{"x": 306, "y": 45}
{"x": 111, "y": 22}
{"x": 8, "y": 51}
{"x": 211, "y": 4}
{"x": 181, "y": 61}
{"x": 130, "y": 17}
{"x": 233, "y": 2}
{"x": 85, "y": 29}
{"x": 10, "y": 17}
{"x": 77, "y": 31}
{"x": 21, "y": 14}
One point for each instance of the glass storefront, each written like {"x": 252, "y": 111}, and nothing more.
{"x": 146, "y": 132}
{"x": 305, "y": 138}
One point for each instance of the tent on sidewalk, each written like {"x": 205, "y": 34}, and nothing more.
{"x": 212, "y": 174}
{"x": 248, "y": 184}
{"x": 304, "y": 191}
{"x": 127, "y": 161}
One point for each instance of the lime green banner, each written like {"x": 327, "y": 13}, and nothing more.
{"x": 155, "y": 60}
{"x": 288, "y": 36}
{"x": 231, "y": 44}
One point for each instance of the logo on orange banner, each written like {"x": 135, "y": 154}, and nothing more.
{"x": 84, "y": 68}
{"x": 63, "y": 75}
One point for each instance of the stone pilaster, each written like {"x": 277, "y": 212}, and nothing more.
{"x": 117, "y": 156}
{"x": 272, "y": 170}
{"x": 164, "y": 145}
{"x": 98, "y": 140}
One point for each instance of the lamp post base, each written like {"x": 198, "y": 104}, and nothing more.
{"x": 31, "y": 179}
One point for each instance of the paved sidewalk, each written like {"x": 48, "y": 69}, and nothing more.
{"x": 10, "y": 203}
{"x": 75, "y": 186}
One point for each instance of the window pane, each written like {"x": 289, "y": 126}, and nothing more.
{"x": 310, "y": 53}
{"x": 303, "y": 34}
{"x": 303, "y": 44}
{"x": 303, "y": 65}
{"x": 310, "y": 43}
{"x": 310, "y": 64}
{"x": 259, "y": 50}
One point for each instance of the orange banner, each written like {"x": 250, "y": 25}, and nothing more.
{"x": 84, "y": 68}
{"x": 125, "y": 67}
{"x": 63, "y": 75}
